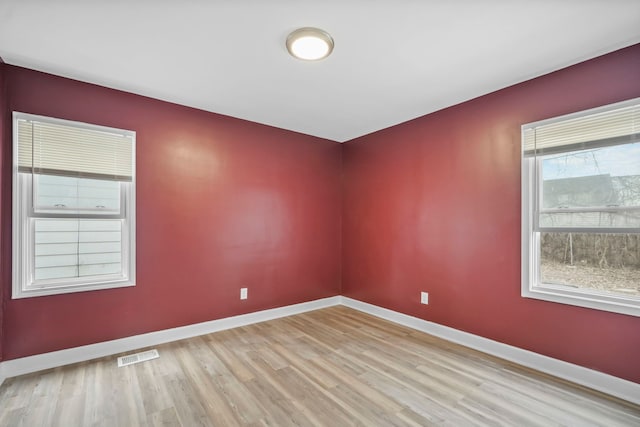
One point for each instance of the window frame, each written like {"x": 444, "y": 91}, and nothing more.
{"x": 531, "y": 287}
{"x": 23, "y": 230}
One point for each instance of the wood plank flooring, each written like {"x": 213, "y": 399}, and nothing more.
{"x": 331, "y": 367}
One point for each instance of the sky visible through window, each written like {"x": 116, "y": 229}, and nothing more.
{"x": 619, "y": 160}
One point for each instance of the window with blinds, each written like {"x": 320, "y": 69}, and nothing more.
{"x": 74, "y": 206}
{"x": 587, "y": 170}
{"x": 581, "y": 208}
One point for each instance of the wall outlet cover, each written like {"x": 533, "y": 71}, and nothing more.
{"x": 424, "y": 298}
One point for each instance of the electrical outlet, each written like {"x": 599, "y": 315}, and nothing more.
{"x": 424, "y": 298}
{"x": 243, "y": 293}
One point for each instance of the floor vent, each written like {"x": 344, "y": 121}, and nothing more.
{"x": 137, "y": 358}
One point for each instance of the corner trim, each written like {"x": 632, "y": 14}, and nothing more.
{"x": 39, "y": 362}
{"x": 599, "y": 381}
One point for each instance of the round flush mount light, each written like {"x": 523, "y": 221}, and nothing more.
{"x": 310, "y": 44}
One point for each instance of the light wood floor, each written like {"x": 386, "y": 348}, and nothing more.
{"x": 333, "y": 367}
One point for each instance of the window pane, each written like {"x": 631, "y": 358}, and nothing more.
{"x": 75, "y": 195}
{"x": 68, "y": 248}
{"x": 598, "y": 188}
{"x": 608, "y": 263}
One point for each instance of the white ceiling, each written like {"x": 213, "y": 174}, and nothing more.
{"x": 393, "y": 60}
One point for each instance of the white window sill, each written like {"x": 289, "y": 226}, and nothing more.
{"x": 67, "y": 289}
{"x": 605, "y": 302}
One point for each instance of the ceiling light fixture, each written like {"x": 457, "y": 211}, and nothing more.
{"x": 310, "y": 44}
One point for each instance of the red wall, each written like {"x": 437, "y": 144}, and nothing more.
{"x": 221, "y": 204}
{"x": 434, "y": 205}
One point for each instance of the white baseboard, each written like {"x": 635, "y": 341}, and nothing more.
{"x": 605, "y": 383}
{"x": 39, "y": 362}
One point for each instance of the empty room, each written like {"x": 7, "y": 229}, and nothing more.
{"x": 305, "y": 213}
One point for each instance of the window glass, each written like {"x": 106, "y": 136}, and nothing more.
{"x": 75, "y": 195}
{"x": 69, "y": 248}
{"x": 597, "y": 188}
{"x": 598, "y": 262}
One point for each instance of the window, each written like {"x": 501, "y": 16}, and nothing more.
{"x": 73, "y": 206}
{"x": 581, "y": 209}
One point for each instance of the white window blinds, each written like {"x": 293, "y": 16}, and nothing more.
{"x": 615, "y": 126}
{"x": 58, "y": 148}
